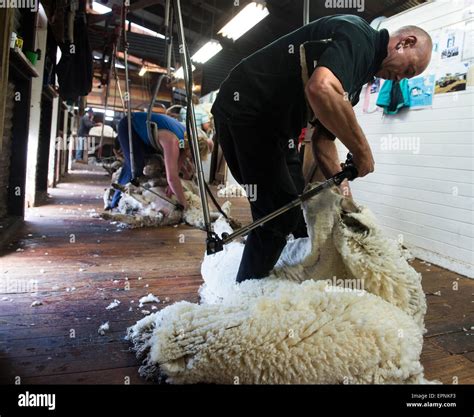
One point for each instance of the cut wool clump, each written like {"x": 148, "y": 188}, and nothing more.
{"x": 150, "y": 298}
{"x": 103, "y": 328}
{"x": 113, "y": 304}
{"x": 342, "y": 305}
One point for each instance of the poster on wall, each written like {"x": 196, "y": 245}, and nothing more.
{"x": 451, "y": 44}
{"x": 370, "y": 95}
{"x": 375, "y": 85}
{"x": 421, "y": 91}
{"x": 435, "y": 53}
{"x": 468, "y": 50}
{"x": 451, "y": 77}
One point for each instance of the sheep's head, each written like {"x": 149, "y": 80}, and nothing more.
{"x": 322, "y": 211}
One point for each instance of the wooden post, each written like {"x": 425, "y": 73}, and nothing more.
{"x": 6, "y": 17}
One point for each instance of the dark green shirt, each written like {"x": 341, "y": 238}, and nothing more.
{"x": 267, "y": 87}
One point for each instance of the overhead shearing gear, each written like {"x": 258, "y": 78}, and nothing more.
{"x": 128, "y": 97}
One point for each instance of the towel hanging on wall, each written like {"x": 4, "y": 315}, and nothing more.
{"x": 393, "y": 96}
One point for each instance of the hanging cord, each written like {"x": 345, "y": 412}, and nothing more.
{"x": 127, "y": 91}
{"x": 117, "y": 86}
{"x": 107, "y": 92}
{"x": 188, "y": 129}
{"x": 168, "y": 35}
{"x": 150, "y": 110}
{"x": 115, "y": 89}
{"x": 191, "y": 122}
{"x": 116, "y": 76}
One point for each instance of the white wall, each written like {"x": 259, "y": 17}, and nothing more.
{"x": 35, "y": 111}
{"x": 52, "y": 142}
{"x": 425, "y": 198}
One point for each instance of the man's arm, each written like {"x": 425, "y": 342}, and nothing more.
{"x": 171, "y": 154}
{"x": 327, "y": 99}
{"x": 326, "y": 156}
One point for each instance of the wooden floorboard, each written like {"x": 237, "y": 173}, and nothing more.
{"x": 76, "y": 264}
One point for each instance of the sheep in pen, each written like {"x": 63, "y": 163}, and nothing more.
{"x": 307, "y": 322}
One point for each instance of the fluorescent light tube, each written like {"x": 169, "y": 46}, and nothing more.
{"x": 179, "y": 74}
{"x": 205, "y": 53}
{"x": 100, "y": 8}
{"x": 245, "y": 20}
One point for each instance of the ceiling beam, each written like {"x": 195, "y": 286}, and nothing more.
{"x": 156, "y": 22}
{"x": 207, "y": 7}
{"x": 389, "y": 10}
{"x": 143, "y": 4}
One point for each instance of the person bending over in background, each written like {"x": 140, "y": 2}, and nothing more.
{"x": 169, "y": 139}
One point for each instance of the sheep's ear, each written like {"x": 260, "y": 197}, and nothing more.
{"x": 348, "y": 205}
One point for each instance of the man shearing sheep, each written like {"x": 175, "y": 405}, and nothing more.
{"x": 168, "y": 138}
{"x": 315, "y": 72}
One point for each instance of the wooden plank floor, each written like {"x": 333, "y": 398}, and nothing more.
{"x": 82, "y": 263}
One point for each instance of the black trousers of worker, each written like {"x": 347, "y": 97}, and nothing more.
{"x": 257, "y": 157}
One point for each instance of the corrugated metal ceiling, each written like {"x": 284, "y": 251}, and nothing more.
{"x": 203, "y": 19}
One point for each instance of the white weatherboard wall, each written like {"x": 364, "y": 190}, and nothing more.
{"x": 35, "y": 111}
{"x": 425, "y": 198}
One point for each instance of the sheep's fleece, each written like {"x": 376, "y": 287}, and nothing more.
{"x": 342, "y": 306}
{"x": 140, "y": 207}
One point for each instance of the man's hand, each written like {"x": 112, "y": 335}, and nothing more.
{"x": 364, "y": 162}
{"x": 169, "y": 191}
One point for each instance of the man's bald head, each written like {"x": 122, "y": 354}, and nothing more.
{"x": 408, "y": 53}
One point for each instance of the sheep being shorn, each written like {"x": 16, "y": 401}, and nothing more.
{"x": 301, "y": 324}
{"x": 345, "y": 245}
{"x": 141, "y": 207}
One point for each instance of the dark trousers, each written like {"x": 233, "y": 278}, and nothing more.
{"x": 259, "y": 158}
{"x": 140, "y": 149}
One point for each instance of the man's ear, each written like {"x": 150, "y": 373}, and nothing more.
{"x": 407, "y": 42}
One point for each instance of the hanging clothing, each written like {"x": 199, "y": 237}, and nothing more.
{"x": 393, "y": 96}
{"x": 74, "y": 70}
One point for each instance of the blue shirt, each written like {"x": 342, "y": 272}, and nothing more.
{"x": 162, "y": 121}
